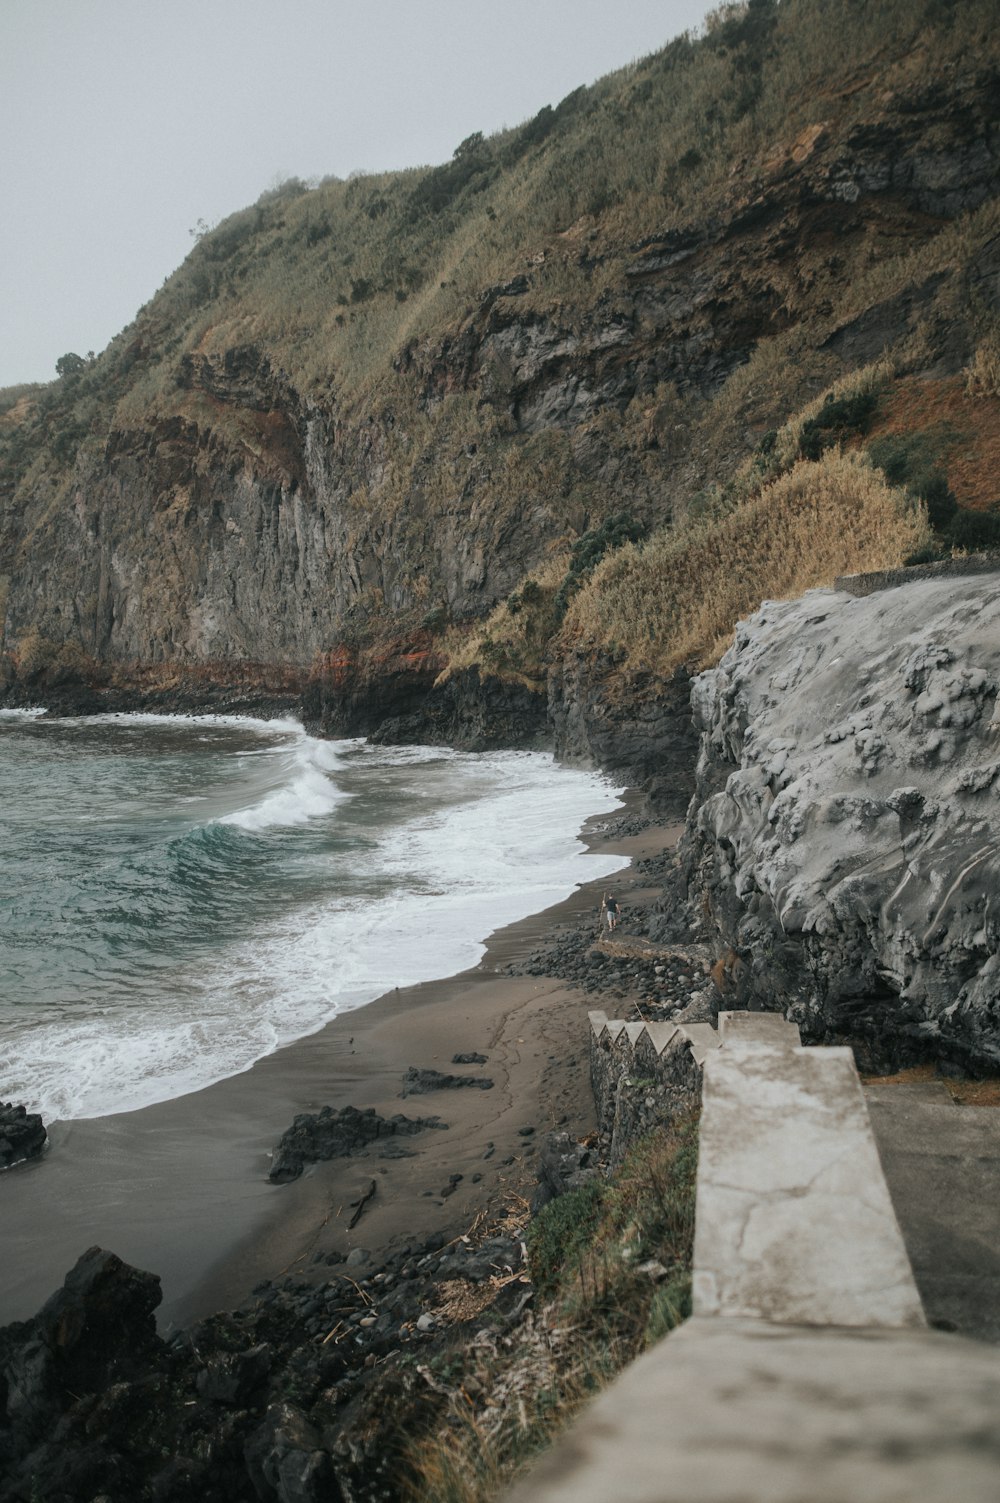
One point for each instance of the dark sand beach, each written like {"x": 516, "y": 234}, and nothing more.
{"x": 181, "y": 1188}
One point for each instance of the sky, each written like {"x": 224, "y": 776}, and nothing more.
{"x": 127, "y": 122}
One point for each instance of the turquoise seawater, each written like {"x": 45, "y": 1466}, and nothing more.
{"x": 180, "y": 896}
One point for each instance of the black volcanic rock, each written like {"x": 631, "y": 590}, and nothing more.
{"x": 256, "y": 1403}
{"x": 22, "y": 1134}
{"x": 330, "y": 1134}
{"x": 89, "y": 1340}
{"x": 418, "y": 1082}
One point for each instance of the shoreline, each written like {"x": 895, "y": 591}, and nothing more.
{"x": 180, "y": 1188}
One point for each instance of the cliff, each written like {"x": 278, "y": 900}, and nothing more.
{"x": 363, "y": 418}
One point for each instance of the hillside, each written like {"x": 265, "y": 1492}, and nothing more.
{"x": 539, "y": 424}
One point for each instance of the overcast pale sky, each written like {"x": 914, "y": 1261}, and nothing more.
{"x": 125, "y": 122}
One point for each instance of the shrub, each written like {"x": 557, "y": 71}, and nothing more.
{"x": 614, "y": 532}
{"x": 677, "y": 598}
{"x": 974, "y": 531}
{"x": 908, "y": 459}
{"x": 928, "y": 555}
{"x": 70, "y": 364}
{"x": 836, "y": 419}
{"x": 560, "y": 1232}
{"x": 931, "y": 487}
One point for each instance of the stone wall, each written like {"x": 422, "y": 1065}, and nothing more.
{"x": 860, "y": 585}
{"x": 644, "y": 1075}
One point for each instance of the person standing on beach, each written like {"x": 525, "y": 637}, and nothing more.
{"x": 609, "y": 908}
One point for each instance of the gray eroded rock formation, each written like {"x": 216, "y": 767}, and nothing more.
{"x": 845, "y": 833}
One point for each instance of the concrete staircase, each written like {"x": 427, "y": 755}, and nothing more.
{"x": 807, "y": 1373}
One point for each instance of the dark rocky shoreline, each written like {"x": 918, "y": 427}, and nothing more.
{"x": 315, "y": 1386}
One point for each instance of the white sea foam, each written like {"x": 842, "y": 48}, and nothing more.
{"x": 307, "y": 790}
{"x": 504, "y": 849}
{"x": 143, "y": 717}
{"x": 32, "y": 713}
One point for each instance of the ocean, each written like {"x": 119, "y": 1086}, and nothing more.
{"x": 180, "y": 896}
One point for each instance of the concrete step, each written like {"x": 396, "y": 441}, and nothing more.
{"x": 934, "y": 1091}
{"x": 757, "y": 1028}
{"x": 702, "y": 1037}
{"x": 942, "y": 1166}
{"x": 731, "y": 1411}
{"x": 793, "y": 1218}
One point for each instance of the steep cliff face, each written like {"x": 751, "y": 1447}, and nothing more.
{"x": 219, "y": 495}
{"x": 640, "y": 729}
{"x": 845, "y": 838}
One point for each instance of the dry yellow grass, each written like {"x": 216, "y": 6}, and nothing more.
{"x": 677, "y": 597}
{"x": 982, "y": 377}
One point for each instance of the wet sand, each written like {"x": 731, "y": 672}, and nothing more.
{"x": 181, "y": 1187}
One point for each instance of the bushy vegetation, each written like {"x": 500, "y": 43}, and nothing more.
{"x": 612, "y": 1263}
{"x": 586, "y": 553}
{"x": 973, "y": 531}
{"x": 910, "y": 460}
{"x": 676, "y": 598}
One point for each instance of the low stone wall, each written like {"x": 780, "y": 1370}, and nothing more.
{"x": 945, "y": 568}
{"x": 644, "y": 1075}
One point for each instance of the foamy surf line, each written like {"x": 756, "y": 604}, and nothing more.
{"x": 175, "y": 718}
{"x": 306, "y": 792}
{"x": 484, "y": 864}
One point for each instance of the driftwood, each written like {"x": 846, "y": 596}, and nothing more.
{"x": 366, "y": 1197}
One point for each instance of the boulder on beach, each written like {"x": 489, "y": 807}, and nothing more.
{"x": 22, "y": 1134}
{"x": 846, "y": 838}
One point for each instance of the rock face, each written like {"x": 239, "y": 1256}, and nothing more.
{"x": 22, "y": 1134}
{"x": 846, "y": 838}
{"x": 646, "y": 734}
{"x": 91, "y": 1340}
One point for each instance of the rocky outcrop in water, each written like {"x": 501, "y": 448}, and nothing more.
{"x": 22, "y": 1134}
{"x": 846, "y": 839}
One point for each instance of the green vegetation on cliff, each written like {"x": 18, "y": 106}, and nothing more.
{"x": 584, "y": 387}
